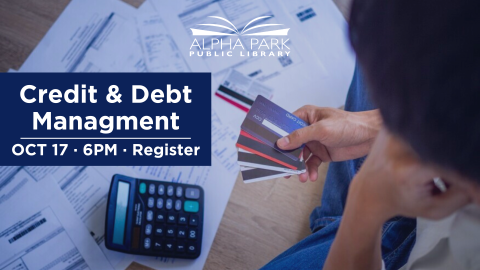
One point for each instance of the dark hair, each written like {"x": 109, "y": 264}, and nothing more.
{"x": 421, "y": 60}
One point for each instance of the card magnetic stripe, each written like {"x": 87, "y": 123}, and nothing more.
{"x": 267, "y": 152}
{"x": 234, "y": 94}
{"x": 242, "y": 156}
{"x": 246, "y": 134}
{"x": 257, "y": 173}
{"x": 270, "y": 138}
{"x": 236, "y": 104}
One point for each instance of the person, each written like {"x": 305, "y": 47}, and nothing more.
{"x": 403, "y": 188}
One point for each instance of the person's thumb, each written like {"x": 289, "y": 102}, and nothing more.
{"x": 296, "y": 138}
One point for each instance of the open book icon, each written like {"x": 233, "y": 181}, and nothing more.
{"x": 243, "y": 32}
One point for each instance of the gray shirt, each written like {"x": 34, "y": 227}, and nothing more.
{"x": 451, "y": 243}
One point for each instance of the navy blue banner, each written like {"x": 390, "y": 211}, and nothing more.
{"x": 105, "y": 119}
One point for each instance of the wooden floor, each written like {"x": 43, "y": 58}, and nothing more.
{"x": 261, "y": 220}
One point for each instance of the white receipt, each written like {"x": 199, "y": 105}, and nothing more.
{"x": 159, "y": 50}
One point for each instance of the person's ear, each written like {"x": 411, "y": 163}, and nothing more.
{"x": 474, "y": 191}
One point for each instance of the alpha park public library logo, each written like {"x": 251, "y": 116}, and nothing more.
{"x": 244, "y": 42}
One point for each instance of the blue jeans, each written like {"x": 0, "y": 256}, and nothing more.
{"x": 398, "y": 235}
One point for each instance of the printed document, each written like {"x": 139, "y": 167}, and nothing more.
{"x": 44, "y": 233}
{"x": 89, "y": 36}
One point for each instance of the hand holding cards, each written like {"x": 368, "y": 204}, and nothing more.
{"x": 258, "y": 155}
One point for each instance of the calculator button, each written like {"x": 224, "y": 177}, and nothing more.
{"x": 149, "y": 215}
{"x": 169, "y": 246}
{"x": 148, "y": 229}
{"x": 146, "y": 243}
{"x": 192, "y": 234}
{"x": 157, "y": 245}
{"x": 179, "y": 192}
{"x": 191, "y": 248}
{"x": 151, "y": 189}
{"x": 182, "y": 219}
{"x": 159, "y": 203}
{"x": 190, "y": 206}
{"x": 182, "y": 233}
{"x": 159, "y": 231}
{"x": 180, "y": 247}
{"x": 178, "y": 205}
{"x": 193, "y": 220}
{"x": 161, "y": 189}
{"x": 151, "y": 201}
{"x": 170, "y": 232}
{"x": 170, "y": 190}
{"x": 143, "y": 188}
{"x": 169, "y": 204}
{"x": 192, "y": 193}
{"x": 172, "y": 219}
{"x": 160, "y": 217}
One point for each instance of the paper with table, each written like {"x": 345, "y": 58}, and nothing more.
{"x": 111, "y": 36}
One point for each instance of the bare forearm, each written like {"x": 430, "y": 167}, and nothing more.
{"x": 358, "y": 241}
{"x": 372, "y": 122}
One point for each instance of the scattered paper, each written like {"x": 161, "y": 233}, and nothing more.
{"x": 111, "y": 36}
{"x": 43, "y": 232}
{"x": 159, "y": 50}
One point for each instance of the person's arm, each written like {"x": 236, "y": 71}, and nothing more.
{"x": 391, "y": 182}
{"x": 358, "y": 241}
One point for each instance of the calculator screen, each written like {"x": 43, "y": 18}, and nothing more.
{"x": 121, "y": 212}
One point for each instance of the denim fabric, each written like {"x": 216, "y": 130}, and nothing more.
{"x": 341, "y": 173}
{"x": 398, "y": 235}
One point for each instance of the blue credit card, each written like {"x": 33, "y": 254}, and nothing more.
{"x": 268, "y": 122}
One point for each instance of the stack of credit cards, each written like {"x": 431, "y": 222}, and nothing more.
{"x": 258, "y": 155}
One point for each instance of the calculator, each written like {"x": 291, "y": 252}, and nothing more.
{"x": 154, "y": 218}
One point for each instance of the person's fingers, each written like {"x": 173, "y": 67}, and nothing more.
{"x": 304, "y": 112}
{"x": 303, "y": 177}
{"x": 287, "y": 177}
{"x": 319, "y": 150}
{"x": 297, "y": 138}
{"x": 306, "y": 152}
{"x": 311, "y": 113}
{"x": 312, "y": 166}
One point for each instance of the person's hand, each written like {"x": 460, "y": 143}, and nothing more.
{"x": 393, "y": 181}
{"x": 333, "y": 135}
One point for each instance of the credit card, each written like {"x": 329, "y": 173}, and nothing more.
{"x": 251, "y": 175}
{"x": 248, "y": 159}
{"x": 268, "y": 122}
{"x": 259, "y": 148}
